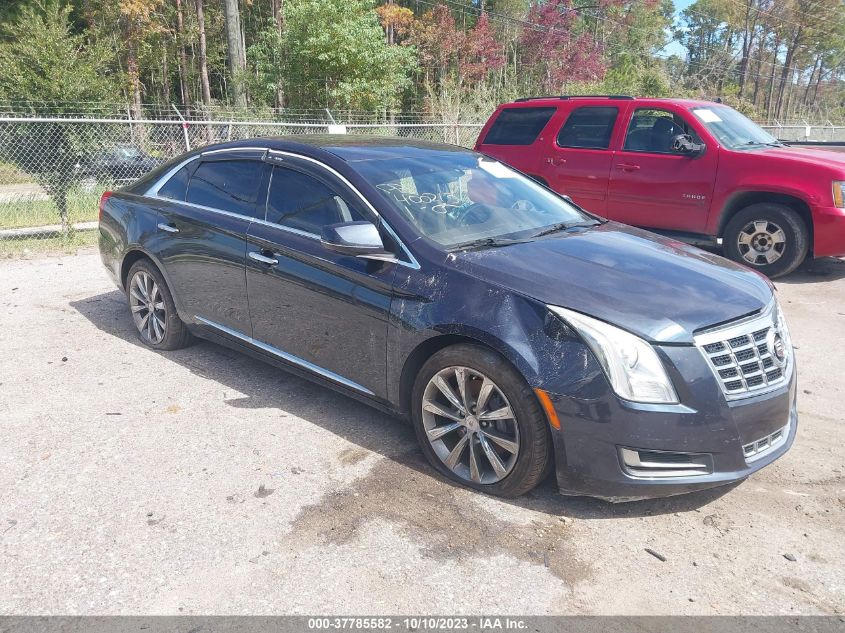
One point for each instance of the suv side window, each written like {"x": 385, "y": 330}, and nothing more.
{"x": 518, "y": 126}
{"x": 228, "y": 185}
{"x": 589, "y": 127}
{"x": 305, "y": 203}
{"x": 652, "y": 130}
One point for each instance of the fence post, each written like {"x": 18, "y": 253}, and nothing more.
{"x": 184, "y": 128}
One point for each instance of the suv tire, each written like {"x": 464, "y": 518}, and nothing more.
{"x": 521, "y": 442}
{"x": 767, "y": 237}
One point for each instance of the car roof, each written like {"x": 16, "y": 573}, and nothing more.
{"x": 348, "y": 147}
{"x": 565, "y": 99}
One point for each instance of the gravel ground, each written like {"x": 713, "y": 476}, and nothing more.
{"x": 202, "y": 481}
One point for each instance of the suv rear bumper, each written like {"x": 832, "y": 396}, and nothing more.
{"x": 828, "y": 232}
{"x": 587, "y": 449}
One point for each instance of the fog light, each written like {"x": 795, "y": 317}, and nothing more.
{"x": 662, "y": 464}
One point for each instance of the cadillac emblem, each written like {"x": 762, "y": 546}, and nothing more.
{"x": 777, "y": 348}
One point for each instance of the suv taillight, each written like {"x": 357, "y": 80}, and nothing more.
{"x": 103, "y": 199}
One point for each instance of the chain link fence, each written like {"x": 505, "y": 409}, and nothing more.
{"x": 53, "y": 170}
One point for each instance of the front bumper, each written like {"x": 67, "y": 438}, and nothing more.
{"x": 587, "y": 447}
{"x": 828, "y": 232}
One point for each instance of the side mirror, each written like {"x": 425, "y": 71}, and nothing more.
{"x": 355, "y": 239}
{"x": 683, "y": 144}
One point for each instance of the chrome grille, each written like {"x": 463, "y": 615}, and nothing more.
{"x": 742, "y": 356}
{"x": 765, "y": 445}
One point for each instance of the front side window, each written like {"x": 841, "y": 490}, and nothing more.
{"x": 302, "y": 202}
{"x": 518, "y": 126}
{"x": 654, "y": 131}
{"x": 228, "y": 185}
{"x": 734, "y": 130}
{"x": 457, "y": 197}
{"x": 588, "y": 128}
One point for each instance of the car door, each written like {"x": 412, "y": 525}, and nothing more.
{"x": 654, "y": 186}
{"x": 313, "y": 307}
{"x": 202, "y": 238}
{"x": 580, "y": 158}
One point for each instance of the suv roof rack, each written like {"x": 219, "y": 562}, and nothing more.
{"x": 522, "y": 99}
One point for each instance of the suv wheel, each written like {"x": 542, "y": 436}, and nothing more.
{"x": 768, "y": 237}
{"x": 479, "y": 423}
{"x": 153, "y": 310}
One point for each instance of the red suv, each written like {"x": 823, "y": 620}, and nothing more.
{"x": 696, "y": 170}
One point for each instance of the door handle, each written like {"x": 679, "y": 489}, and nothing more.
{"x": 264, "y": 259}
{"x": 627, "y": 167}
{"x": 167, "y": 227}
{"x": 556, "y": 160}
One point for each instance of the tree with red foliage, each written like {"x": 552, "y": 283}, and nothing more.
{"x": 482, "y": 53}
{"x": 553, "y": 54}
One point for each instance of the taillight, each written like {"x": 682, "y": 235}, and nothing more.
{"x": 103, "y": 199}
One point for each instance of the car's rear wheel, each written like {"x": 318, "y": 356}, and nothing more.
{"x": 768, "y": 237}
{"x": 479, "y": 423}
{"x": 152, "y": 308}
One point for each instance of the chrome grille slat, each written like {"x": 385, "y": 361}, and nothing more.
{"x": 739, "y": 356}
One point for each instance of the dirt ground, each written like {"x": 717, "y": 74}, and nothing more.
{"x": 202, "y": 481}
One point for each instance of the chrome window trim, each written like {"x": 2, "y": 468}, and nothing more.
{"x": 296, "y": 360}
{"x": 154, "y": 189}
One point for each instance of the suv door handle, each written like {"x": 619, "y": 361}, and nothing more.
{"x": 556, "y": 160}
{"x": 627, "y": 167}
{"x": 167, "y": 227}
{"x": 264, "y": 259}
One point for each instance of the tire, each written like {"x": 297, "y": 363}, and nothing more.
{"x": 165, "y": 331}
{"x": 525, "y": 464}
{"x": 751, "y": 238}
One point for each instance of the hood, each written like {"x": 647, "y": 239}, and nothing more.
{"x": 657, "y": 288}
{"x": 813, "y": 156}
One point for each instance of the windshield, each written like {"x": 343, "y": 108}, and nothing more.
{"x": 457, "y": 198}
{"x": 734, "y": 130}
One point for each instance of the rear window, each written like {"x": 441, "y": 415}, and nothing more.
{"x": 518, "y": 126}
{"x": 588, "y": 128}
{"x": 176, "y": 187}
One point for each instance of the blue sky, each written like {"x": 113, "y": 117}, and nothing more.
{"x": 674, "y": 48}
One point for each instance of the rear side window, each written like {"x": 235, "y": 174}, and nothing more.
{"x": 177, "y": 186}
{"x": 518, "y": 126}
{"x": 588, "y": 128}
{"x": 228, "y": 185}
{"x": 302, "y": 202}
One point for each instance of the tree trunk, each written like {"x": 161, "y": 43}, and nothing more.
{"x": 235, "y": 51}
{"x": 772, "y": 79}
{"x": 203, "y": 56}
{"x": 279, "y": 19}
{"x": 165, "y": 76}
{"x": 183, "y": 59}
{"x": 787, "y": 70}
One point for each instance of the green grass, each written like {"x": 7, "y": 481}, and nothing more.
{"x": 55, "y": 245}
{"x": 25, "y": 211}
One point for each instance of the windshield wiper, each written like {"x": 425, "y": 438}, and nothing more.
{"x": 564, "y": 226}
{"x": 775, "y": 144}
{"x": 485, "y": 242}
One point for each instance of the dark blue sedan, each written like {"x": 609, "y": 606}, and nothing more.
{"x": 518, "y": 333}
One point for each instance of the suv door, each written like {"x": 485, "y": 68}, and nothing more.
{"x": 580, "y": 157}
{"x": 652, "y": 185}
{"x": 310, "y": 306}
{"x": 202, "y": 238}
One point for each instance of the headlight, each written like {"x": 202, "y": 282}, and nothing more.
{"x": 839, "y": 193}
{"x": 783, "y": 328}
{"x": 632, "y": 366}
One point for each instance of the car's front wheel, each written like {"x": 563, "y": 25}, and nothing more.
{"x": 768, "y": 237}
{"x": 153, "y": 310}
{"x": 479, "y": 423}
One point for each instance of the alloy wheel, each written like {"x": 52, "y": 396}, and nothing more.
{"x": 761, "y": 242}
{"x": 148, "y": 309}
{"x": 470, "y": 425}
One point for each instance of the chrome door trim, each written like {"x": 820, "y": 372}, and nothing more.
{"x": 296, "y": 360}
{"x": 158, "y": 184}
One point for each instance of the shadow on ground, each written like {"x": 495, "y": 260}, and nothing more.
{"x": 268, "y": 387}
{"x": 815, "y": 271}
